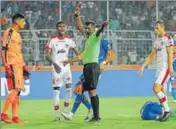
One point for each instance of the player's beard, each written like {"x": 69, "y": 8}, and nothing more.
{"x": 157, "y": 33}
{"x": 61, "y": 34}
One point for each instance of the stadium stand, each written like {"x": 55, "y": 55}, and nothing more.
{"x": 130, "y": 30}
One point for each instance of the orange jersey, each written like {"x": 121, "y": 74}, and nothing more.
{"x": 12, "y": 44}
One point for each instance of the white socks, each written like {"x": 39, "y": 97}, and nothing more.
{"x": 163, "y": 100}
{"x": 56, "y": 102}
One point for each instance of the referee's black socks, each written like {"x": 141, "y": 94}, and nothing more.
{"x": 95, "y": 106}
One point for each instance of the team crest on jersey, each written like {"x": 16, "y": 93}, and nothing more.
{"x": 66, "y": 45}
{"x": 159, "y": 49}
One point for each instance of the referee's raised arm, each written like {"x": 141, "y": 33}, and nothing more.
{"x": 104, "y": 24}
{"x": 78, "y": 19}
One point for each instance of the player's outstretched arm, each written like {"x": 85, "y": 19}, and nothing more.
{"x": 110, "y": 57}
{"x": 78, "y": 19}
{"x": 48, "y": 57}
{"x": 76, "y": 51}
{"x": 147, "y": 61}
{"x": 105, "y": 23}
{"x": 77, "y": 58}
{"x": 170, "y": 50}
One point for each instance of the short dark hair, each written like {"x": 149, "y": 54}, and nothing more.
{"x": 17, "y": 16}
{"x": 90, "y": 22}
{"x": 161, "y": 22}
{"x": 60, "y": 22}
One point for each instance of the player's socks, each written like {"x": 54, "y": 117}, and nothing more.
{"x": 9, "y": 100}
{"x": 15, "y": 107}
{"x": 67, "y": 99}
{"x": 89, "y": 107}
{"x": 163, "y": 100}
{"x": 56, "y": 102}
{"x": 77, "y": 102}
{"x": 57, "y": 113}
{"x": 95, "y": 106}
{"x": 66, "y": 105}
{"x": 174, "y": 93}
{"x": 68, "y": 95}
{"x": 86, "y": 102}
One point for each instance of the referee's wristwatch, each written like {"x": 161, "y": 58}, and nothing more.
{"x": 76, "y": 15}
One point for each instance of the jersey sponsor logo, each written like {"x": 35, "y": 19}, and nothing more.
{"x": 159, "y": 49}
{"x": 61, "y": 51}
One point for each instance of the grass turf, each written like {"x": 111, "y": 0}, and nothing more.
{"x": 116, "y": 113}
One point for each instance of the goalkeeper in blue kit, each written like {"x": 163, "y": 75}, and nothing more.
{"x": 153, "y": 111}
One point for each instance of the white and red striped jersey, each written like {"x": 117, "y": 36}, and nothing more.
{"x": 161, "y": 44}
{"x": 60, "y": 47}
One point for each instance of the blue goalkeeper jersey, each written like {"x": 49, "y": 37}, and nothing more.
{"x": 104, "y": 47}
{"x": 151, "y": 110}
{"x": 174, "y": 65}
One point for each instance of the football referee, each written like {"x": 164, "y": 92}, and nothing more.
{"x": 91, "y": 52}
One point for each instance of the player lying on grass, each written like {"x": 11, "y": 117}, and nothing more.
{"x": 153, "y": 111}
{"x": 106, "y": 55}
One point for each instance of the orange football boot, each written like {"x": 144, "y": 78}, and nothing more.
{"x": 5, "y": 118}
{"x": 16, "y": 120}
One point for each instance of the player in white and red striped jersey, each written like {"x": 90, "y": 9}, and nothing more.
{"x": 163, "y": 51}
{"x": 57, "y": 50}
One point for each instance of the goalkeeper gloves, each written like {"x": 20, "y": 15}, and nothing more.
{"x": 26, "y": 73}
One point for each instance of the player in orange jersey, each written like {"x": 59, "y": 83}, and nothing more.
{"x": 15, "y": 69}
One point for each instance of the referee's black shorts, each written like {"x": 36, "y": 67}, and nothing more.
{"x": 91, "y": 73}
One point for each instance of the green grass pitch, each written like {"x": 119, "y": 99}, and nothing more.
{"x": 116, "y": 113}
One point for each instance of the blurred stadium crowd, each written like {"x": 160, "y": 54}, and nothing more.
{"x": 130, "y": 24}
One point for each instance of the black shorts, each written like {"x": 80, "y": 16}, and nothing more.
{"x": 91, "y": 73}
